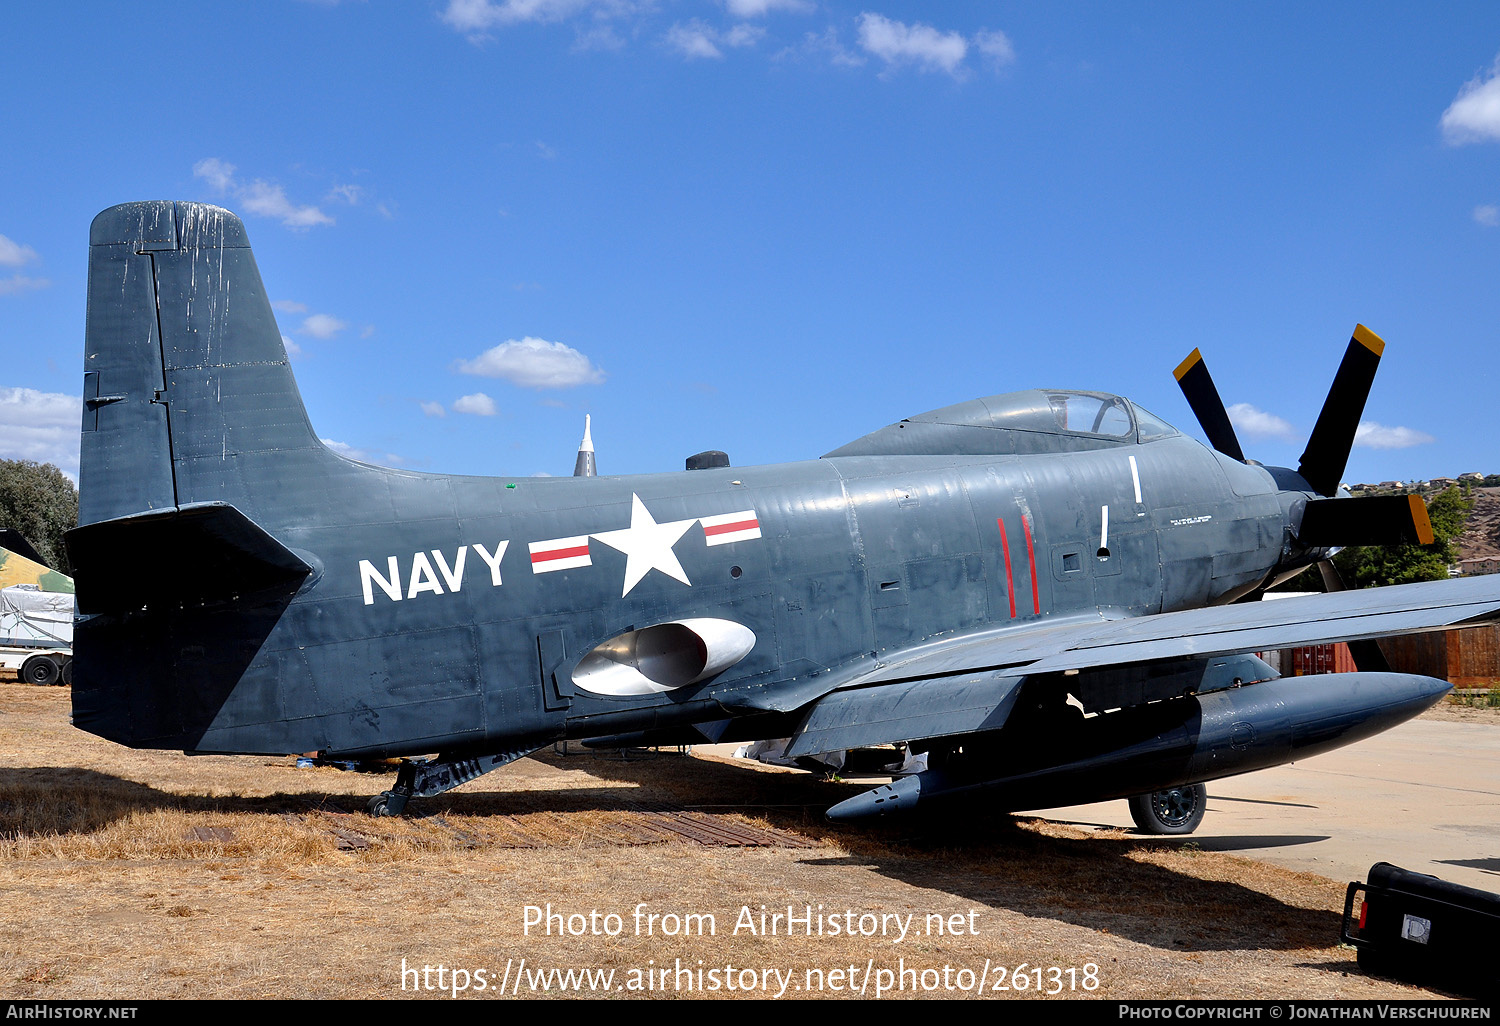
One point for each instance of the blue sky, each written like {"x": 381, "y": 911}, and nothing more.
{"x": 770, "y": 226}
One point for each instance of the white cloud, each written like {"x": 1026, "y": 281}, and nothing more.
{"x": 40, "y": 426}
{"x": 1488, "y": 215}
{"x": 1370, "y": 435}
{"x": 268, "y": 200}
{"x": 897, "y": 43}
{"x": 18, "y": 283}
{"x": 323, "y": 326}
{"x": 478, "y": 404}
{"x": 692, "y": 40}
{"x": 259, "y": 197}
{"x": 995, "y": 45}
{"x": 599, "y": 37}
{"x": 433, "y": 409}
{"x": 743, "y": 35}
{"x": 828, "y": 42}
{"x": 534, "y": 363}
{"x": 217, "y": 173}
{"x": 1474, "y": 116}
{"x": 293, "y": 350}
{"x": 757, "y": 8}
{"x": 13, "y": 254}
{"x": 389, "y": 459}
{"x": 479, "y": 16}
{"x": 349, "y": 194}
{"x": 318, "y": 325}
{"x": 1258, "y": 423}
{"x": 697, "y": 39}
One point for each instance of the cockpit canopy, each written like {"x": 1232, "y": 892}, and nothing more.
{"x": 1034, "y": 421}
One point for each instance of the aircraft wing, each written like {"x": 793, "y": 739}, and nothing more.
{"x": 969, "y": 682}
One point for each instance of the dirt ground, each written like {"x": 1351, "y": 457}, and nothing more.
{"x": 139, "y": 875}
{"x": 1481, "y": 536}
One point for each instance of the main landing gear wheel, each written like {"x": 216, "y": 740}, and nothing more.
{"x": 1177, "y": 810}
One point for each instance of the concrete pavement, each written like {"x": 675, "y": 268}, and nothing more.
{"x": 1424, "y": 795}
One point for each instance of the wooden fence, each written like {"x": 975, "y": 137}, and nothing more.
{"x": 1467, "y": 658}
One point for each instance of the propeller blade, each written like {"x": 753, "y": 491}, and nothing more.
{"x": 1365, "y": 520}
{"x": 1367, "y": 655}
{"x": 1193, "y": 378}
{"x": 1333, "y": 435}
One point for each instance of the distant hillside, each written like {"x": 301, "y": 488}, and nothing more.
{"x": 1481, "y": 535}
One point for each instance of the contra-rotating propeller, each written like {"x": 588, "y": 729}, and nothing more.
{"x": 1329, "y": 522}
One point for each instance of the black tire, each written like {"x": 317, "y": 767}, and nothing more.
{"x": 1177, "y": 810}
{"x": 40, "y": 669}
{"x": 67, "y": 673}
{"x": 379, "y": 806}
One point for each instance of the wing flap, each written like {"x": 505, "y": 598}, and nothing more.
{"x": 942, "y": 707}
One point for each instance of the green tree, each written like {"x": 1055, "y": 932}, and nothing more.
{"x": 1368, "y": 566}
{"x": 37, "y": 500}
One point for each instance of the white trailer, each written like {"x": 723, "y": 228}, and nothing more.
{"x": 36, "y": 634}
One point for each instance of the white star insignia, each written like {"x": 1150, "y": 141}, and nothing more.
{"x": 647, "y": 545}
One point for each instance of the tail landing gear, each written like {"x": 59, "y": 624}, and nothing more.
{"x": 1177, "y": 810}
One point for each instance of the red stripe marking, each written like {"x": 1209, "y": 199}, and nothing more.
{"x": 1010, "y": 589}
{"x": 743, "y": 525}
{"x": 1036, "y": 599}
{"x": 549, "y": 554}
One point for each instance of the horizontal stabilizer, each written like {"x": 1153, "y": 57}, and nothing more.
{"x": 1366, "y": 520}
{"x": 203, "y": 553}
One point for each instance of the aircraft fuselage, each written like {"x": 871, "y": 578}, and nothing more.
{"x": 450, "y": 613}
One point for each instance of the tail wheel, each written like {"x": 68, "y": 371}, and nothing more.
{"x": 1177, "y": 810}
{"x": 40, "y": 669}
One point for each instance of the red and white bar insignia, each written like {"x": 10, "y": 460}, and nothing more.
{"x": 730, "y": 527}
{"x": 560, "y": 554}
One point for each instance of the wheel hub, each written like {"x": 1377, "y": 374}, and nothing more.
{"x": 1173, "y": 807}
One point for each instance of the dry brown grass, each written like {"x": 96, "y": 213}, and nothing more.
{"x": 1458, "y": 710}
{"x": 137, "y": 875}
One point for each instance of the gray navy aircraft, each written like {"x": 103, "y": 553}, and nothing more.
{"x": 1044, "y": 591}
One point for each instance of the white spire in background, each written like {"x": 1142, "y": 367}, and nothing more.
{"x": 585, "y": 466}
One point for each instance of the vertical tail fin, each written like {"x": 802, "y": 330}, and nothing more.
{"x": 186, "y": 384}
